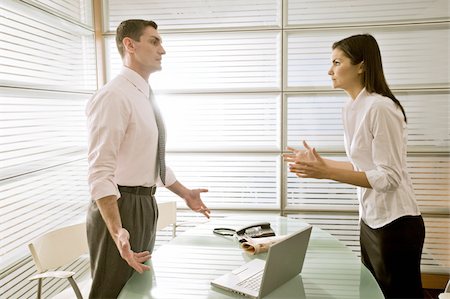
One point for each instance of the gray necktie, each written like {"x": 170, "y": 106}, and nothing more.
{"x": 161, "y": 138}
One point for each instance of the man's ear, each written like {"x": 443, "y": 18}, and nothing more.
{"x": 128, "y": 45}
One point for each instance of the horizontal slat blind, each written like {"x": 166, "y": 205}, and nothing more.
{"x": 431, "y": 180}
{"x": 39, "y": 202}
{"x": 222, "y": 61}
{"x": 316, "y": 117}
{"x": 436, "y": 254}
{"x": 345, "y": 227}
{"x": 39, "y": 129}
{"x": 175, "y": 14}
{"x": 305, "y": 194}
{"x": 221, "y": 121}
{"x": 309, "y": 52}
{"x": 80, "y": 11}
{"x": 430, "y": 176}
{"x": 428, "y": 119}
{"x": 49, "y": 52}
{"x": 234, "y": 180}
{"x": 47, "y": 72}
{"x": 329, "y": 12}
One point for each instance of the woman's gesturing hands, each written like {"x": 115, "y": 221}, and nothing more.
{"x": 306, "y": 163}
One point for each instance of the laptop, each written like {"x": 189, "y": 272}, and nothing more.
{"x": 258, "y": 278}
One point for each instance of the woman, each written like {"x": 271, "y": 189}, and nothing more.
{"x": 375, "y": 137}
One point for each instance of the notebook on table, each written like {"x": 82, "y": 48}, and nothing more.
{"x": 258, "y": 278}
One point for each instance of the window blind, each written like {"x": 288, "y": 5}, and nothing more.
{"x": 219, "y": 61}
{"x": 80, "y": 11}
{"x": 197, "y": 14}
{"x": 345, "y": 227}
{"x": 356, "y": 12}
{"x": 428, "y": 120}
{"x": 40, "y": 129}
{"x": 47, "y": 73}
{"x": 40, "y": 50}
{"x": 316, "y": 117}
{"x": 42, "y": 144}
{"x": 311, "y": 194}
{"x": 39, "y": 201}
{"x": 430, "y": 176}
{"x": 309, "y": 54}
{"x": 218, "y": 122}
{"x": 238, "y": 181}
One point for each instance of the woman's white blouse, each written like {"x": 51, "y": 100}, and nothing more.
{"x": 375, "y": 137}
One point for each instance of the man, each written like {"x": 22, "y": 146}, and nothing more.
{"x": 126, "y": 161}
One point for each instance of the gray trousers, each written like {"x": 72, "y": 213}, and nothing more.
{"x": 139, "y": 213}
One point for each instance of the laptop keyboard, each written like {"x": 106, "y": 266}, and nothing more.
{"x": 253, "y": 282}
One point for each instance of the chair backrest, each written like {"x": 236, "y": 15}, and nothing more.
{"x": 59, "y": 247}
{"x": 167, "y": 214}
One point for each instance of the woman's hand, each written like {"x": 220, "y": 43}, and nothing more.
{"x": 305, "y": 155}
{"x": 306, "y": 163}
{"x": 316, "y": 168}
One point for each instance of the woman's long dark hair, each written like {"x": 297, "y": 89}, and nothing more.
{"x": 364, "y": 48}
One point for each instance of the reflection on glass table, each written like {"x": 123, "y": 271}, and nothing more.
{"x": 184, "y": 267}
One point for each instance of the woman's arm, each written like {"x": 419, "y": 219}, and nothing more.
{"x": 320, "y": 168}
{"x": 307, "y": 155}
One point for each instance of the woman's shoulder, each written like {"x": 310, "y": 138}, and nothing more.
{"x": 382, "y": 106}
{"x": 380, "y": 102}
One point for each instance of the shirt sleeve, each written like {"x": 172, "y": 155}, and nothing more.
{"x": 107, "y": 119}
{"x": 387, "y": 126}
{"x": 170, "y": 178}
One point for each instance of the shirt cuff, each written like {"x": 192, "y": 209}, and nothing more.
{"x": 377, "y": 180}
{"x": 103, "y": 189}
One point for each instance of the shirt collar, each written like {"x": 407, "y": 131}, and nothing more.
{"x": 136, "y": 80}
{"x": 353, "y": 104}
{"x": 361, "y": 94}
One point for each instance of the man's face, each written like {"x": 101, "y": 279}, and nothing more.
{"x": 148, "y": 50}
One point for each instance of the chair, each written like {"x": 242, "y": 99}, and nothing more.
{"x": 446, "y": 293}
{"x": 62, "y": 246}
{"x": 58, "y": 248}
{"x": 167, "y": 215}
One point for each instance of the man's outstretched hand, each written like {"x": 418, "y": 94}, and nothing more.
{"x": 194, "y": 201}
{"x": 134, "y": 259}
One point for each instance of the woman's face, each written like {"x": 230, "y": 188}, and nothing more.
{"x": 344, "y": 74}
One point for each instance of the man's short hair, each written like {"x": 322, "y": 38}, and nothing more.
{"x": 133, "y": 29}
